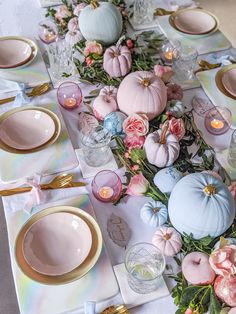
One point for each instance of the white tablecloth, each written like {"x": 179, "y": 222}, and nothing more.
{"x": 20, "y": 17}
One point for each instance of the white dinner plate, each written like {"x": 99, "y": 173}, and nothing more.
{"x": 229, "y": 81}
{"x": 56, "y": 244}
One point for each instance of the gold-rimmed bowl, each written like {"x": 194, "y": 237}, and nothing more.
{"x": 173, "y": 16}
{"x": 76, "y": 273}
{"x": 28, "y": 61}
{"x": 219, "y": 83}
{"x": 55, "y": 120}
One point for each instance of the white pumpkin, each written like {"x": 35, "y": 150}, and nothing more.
{"x": 154, "y": 213}
{"x": 101, "y": 21}
{"x": 162, "y": 148}
{"x": 103, "y": 105}
{"x": 202, "y": 205}
{"x": 166, "y": 179}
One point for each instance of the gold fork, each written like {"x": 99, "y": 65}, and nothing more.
{"x": 60, "y": 181}
{"x": 36, "y": 91}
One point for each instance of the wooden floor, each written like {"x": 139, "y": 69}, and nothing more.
{"x": 225, "y": 10}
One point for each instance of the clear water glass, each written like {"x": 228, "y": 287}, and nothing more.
{"x": 143, "y": 11}
{"x": 144, "y": 264}
{"x": 232, "y": 150}
{"x": 95, "y": 146}
{"x": 185, "y": 62}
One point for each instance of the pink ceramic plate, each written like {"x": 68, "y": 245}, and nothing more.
{"x": 57, "y": 243}
{"x": 194, "y": 21}
{"x": 229, "y": 81}
{"x": 14, "y": 52}
{"x": 27, "y": 129}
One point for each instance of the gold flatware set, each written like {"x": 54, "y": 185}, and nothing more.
{"x": 116, "y": 309}
{"x": 60, "y": 181}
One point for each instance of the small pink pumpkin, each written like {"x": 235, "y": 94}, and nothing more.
{"x": 232, "y": 311}
{"x": 142, "y": 92}
{"x": 109, "y": 91}
{"x": 197, "y": 269}
{"x": 103, "y": 105}
{"x": 167, "y": 240}
{"x": 225, "y": 289}
{"x": 117, "y": 61}
{"x": 162, "y": 148}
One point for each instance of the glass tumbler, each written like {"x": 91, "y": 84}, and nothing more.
{"x": 143, "y": 11}
{"x": 95, "y": 146}
{"x": 144, "y": 264}
{"x": 232, "y": 150}
{"x": 185, "y": 62}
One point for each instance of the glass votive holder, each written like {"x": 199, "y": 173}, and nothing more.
{"x": 107, "y": 186}
{"x": 95, "y": 146}
{"x": 218, "y": 120}
{"x": 232, "y": 150}
{"x": 69, "y": 95}
{"x": 47, "y": 31}
{"x": 145, "y": 264}
{"x": 170, "y": 50}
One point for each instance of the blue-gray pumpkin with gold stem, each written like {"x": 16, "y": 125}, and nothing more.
{"x": 202, "y": 205}
{"x": 102, "y": 22}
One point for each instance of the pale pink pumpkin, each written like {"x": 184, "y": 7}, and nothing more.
{"x": 162, "y": 148}
{"x": 103, "y": 105}
{"x": 232, "y": 311}
{"x": 142, "y": 92}
{"x": 117, "y": 61}
{"x": 167, "y": 240}
{"x": 109, "y": 91}
{"x": 197, "y": 269}
{"x": 225, "y": 289}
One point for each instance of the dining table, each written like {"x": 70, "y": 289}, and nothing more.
{"x": 21, "y": 18}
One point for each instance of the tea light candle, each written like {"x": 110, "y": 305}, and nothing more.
{"x": 169, "y": 55}
{"x": 169, "y": 51}
{"x": 106, "y": 192}
{"x": 50, "y": 37}
{"x": 70, "y": 102}
{"x": 217, "y": 124}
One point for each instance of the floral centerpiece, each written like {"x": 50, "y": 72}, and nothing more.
{"x": 159, "y": 144}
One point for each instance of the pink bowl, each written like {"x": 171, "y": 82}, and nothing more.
{"x": 229, "y": 81}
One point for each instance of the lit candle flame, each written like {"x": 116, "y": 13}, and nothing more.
{"x": 106, "y": 192}
{"x": 70, "y": 102}
{"x": 217, "y": 124}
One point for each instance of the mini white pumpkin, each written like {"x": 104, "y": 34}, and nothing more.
{"x": 162, "y": 148}
{"x": 101, "y": 21}
{"x": 109, "y": 91}
{"x": 167, "y": 240}
{"x": 176, "y": 107}
{"x": 103, "y": 105}
{"x": 166, "y": 179}
{"x": 154, "y": 213}
{"x": 202, "y": 205}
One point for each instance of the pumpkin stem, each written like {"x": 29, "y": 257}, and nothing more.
{"x": 210, "y": 189}
{"x": 167, "y": 236}
{"x": 163, "y": 133}
{"x": 156, "y": 209}
{"x": 94, "y": 4}
{"x": 146, "y": 82}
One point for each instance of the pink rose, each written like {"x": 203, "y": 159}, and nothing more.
{"x": 163, "y": 72}
{"x": 89, "y": 61}
{"x": 223, "y": 261}
{"x": 73, "y": 24}
{"x": 92, "y": 47}
{"x": 174, "y": 91}
{"x": 176, "y": 127}
{"x": 62, "y": 12}
{"x": 136, "y": 124}
{"x": 79, "y": 8}
{"x": 134, "y": 141}
{"x": 138, "y": 185}
{"x": 232, "y": 189}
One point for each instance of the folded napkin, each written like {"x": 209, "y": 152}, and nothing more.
{"x": 224, "y": 60}
{"x": 89, "y": 307}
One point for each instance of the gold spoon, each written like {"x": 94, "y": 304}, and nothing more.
{"x": 207, "y": 65}
{"x": 60, "y": 181}
{"x": 36, "y": 91}
{"x": 161, "y": 12}
{"x": 116, "y": 309}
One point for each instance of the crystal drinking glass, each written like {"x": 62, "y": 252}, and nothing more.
{"x": 143, "y": 11}
{"x": 185, "y": 62}
{"x": 232, "y": 150}
{"x": 144, "y": 264}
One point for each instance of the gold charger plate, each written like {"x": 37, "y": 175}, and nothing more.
{"x": 34, "y": 51}
{"x": 172, "y": 24}
{"x": 78, "y": 272}
{"x": 52, "y": 115}
{"x": 218, "y": 80}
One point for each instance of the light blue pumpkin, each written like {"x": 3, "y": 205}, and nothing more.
{"x": 202, "y": 205}
{"x": 113, "y": 122}
{"x": 154, "y": 213}
{"x": 166, "y": 179}
{"x": 102, "y": 23}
